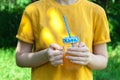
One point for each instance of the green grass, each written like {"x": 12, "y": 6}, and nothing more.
{"x": 9, "y": 70}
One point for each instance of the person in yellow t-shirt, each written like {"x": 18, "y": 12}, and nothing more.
{"x": 40, "y": 35}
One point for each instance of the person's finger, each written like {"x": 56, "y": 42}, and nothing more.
{"x": 74, "y": 58}
{"x": 81, "y": 44}
{"x": 81, "y": 54}
{"x": 79, "y": 62}
{"x": 56, "y": 47}
{"x": 58, "y": 57}
{"x": 54, "y": 53}
{"x": 56, "y": 63}
{"x": 78, "y": 49}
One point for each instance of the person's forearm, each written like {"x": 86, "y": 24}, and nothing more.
{"x": 32, "y": 59}
{"x": 97, "y": 62}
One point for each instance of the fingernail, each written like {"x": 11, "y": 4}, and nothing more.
{"x": 81, "y": 45}
{"x": 61, "y": 48}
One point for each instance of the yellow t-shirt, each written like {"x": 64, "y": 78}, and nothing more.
{"x": 42, "y": 24}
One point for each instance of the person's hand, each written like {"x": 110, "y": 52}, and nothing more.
{"x": 79, "y": 54}
{"x": 55, "y": 54}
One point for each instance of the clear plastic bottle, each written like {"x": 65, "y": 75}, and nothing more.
{"x": 69, "y": 42}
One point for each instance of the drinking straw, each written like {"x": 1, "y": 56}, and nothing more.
{"x": 67, "y": 28}
{"x": 66, "y": 25}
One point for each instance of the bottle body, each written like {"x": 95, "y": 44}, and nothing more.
{"x": 67, "y": 64}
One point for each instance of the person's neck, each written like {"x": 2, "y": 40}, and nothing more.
{"x": 66, "y": 2}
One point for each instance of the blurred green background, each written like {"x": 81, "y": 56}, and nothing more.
{"x": 10, "y": 16}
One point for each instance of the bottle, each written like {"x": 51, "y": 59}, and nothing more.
{"x": 69, "y": 42}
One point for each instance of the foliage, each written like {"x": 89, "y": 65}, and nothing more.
{"x": 10, "y": 5}
{"x": 8, "y": 68}
{"x": 8, "y": 27}
{"x": 10, "y": 15}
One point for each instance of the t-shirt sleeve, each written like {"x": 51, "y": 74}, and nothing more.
{"x": 101, "y": 28}
{"x": 25, "y": 31}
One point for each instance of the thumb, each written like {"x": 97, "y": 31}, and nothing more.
{"x": 81, "y": 44}
{"x": 56, "y": 46}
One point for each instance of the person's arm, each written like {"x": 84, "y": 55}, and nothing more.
{"x": 99, "y": 58}
{"x": 26, "y": 58}
{"x": 96, "y": 60}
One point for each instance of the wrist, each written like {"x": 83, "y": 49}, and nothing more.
{"x": 90, "y": 61}
{"x": 46, "y": 54}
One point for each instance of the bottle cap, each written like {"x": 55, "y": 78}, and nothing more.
{"x": 71, "y": 39}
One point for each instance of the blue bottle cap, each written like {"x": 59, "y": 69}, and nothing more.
{"x": 71, "y": 39}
